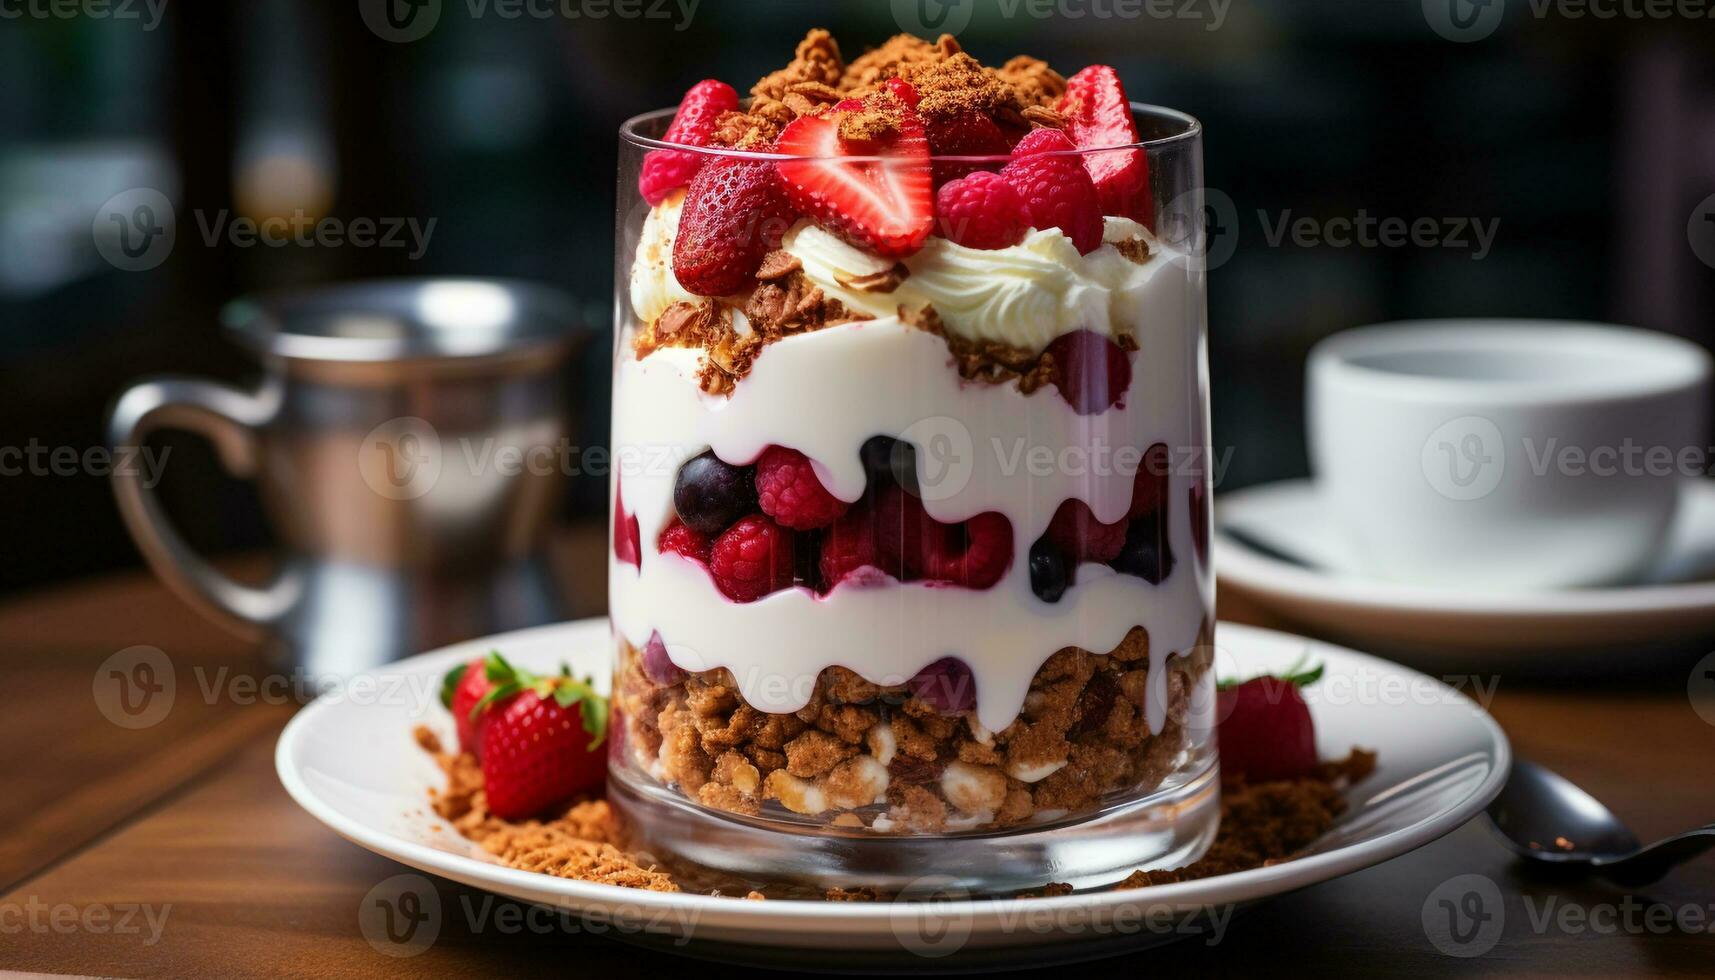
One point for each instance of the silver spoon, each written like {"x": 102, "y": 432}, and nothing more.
{"x": 1546, "y": 818}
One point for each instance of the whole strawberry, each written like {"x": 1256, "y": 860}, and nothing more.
{"x": 539, "y": 736}
{"x": 701, "y": 108}
{"x": 1265, "y": 729}
{"x": 462, "y": 690}
{"x": 735, "y": 211}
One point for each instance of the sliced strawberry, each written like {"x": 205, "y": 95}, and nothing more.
{"x": 1098, "y": 114}
{"x": 969, "y": 134}
{"x": 735, "y": 212}
{"x": 665, "y": 170}
{"x": 884, "y": 206}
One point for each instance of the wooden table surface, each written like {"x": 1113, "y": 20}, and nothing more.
{"x": 171, "y": 850}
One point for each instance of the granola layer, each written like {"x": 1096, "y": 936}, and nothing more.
{"x": 865, "y": 756}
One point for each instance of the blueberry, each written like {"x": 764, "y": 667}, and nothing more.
{"x": 887, "y": 459}
{"x": 1146, "y": 553}
{"x": 1049, "y": 571}
{"x": 710, "y": 494}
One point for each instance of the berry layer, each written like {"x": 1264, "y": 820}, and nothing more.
{"x": 980, "y": 448}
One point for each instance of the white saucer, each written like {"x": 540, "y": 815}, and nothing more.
{"x": 351, "y": 762}
{"x": 1277, "y": 546}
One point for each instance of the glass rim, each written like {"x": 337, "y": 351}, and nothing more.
{"x": 1191, "y": 130}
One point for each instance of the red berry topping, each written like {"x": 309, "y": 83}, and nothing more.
{"x": 975, "y": 554}
{"x": 850, "y": 550}
{"x": 947, "y": 685}
{"x": 901, "y": 525}
{"x": 1098, "y": 114}
{"x": 462, "y": 690}
{"x": 1199, "y": 510}
{"x": 1077, "y": 534}
{"x": 658, "y": 666}
{"x": 902, "y": 90}
{"x": 884, "y": 206}
{"x": 1149, "y": 487}
{"x": 682, "y": 540}
{"x": 1265, "y": 732}
{"x": 752, "y": 558}
{"x": 789, "y": 491}
{"x": 981, "y": 211}
{"x": 1091, "y": 371}
{"x": 692, "y": 125}
{"x": 627, "y": 539}
{"x": 969, "y": 134}
{"x": 539, "y": 740}
{"x": 734, "y": 213}
{"x": 1057, "y": 190}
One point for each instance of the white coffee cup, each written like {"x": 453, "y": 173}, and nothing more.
{"x": 1506, "y": 454}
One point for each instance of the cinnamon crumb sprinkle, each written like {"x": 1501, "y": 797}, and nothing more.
{"x": 1262, "y": 824}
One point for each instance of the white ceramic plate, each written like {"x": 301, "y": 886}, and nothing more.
{"x": 352, "y": 764}
{"x": 1278, "y": 546}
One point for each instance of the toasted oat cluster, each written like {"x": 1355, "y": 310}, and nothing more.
{"x": 895, "y": 760}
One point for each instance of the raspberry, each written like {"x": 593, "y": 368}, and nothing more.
{"x": 692, "y": 125}
{"x": 901, "y": 525}
{"x": 681, "y": 540}
{"x": 1199, "y": 508}
{"x": 1076, "y": 533}
{"x": 1091, "y": 371}
{"x": 789, "y": 491}
{"x": 981, "y": 211}
{"x": 752, "y": 558}
{"x": 627, "y": 544}
{"x": 1057, "y": 190}
{"x": 947, "y": 685}
{"x": 968, "y": 134}
{"x": 974, "y": 554}
{"x": 735, "y": 212}
{"x": 849, "y": 550}
{"x": 1149, "y": 487}
{"x": 658, "y": 666}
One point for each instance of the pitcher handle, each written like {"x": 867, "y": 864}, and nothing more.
{"x": 229, "y": 418}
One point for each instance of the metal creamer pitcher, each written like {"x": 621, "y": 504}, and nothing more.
{"x": 404, "y": 441}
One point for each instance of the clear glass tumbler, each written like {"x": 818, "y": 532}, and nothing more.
{"x": 909, "y": 567}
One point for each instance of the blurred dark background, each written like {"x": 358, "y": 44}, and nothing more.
{"x": 1588, "y": 143}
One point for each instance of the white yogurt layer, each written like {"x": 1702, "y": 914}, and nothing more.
{"x": 981, "y": 447}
